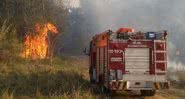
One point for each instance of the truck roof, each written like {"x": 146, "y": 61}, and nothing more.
{"x": 125, "y": 34}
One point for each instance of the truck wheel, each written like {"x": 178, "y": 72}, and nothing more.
{"x": 104, "y": 89}
{"x": 148, "y": 92}
{"x": 92, "y": 80}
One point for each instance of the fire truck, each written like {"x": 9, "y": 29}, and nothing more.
{"x": 126, "y": 60}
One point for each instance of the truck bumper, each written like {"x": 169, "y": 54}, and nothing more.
{"x": 137, "y": 85}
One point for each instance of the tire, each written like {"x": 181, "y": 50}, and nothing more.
{"x": 92, "y": 81}
{"x": 148, "y": 92}
{"x": 104, "y": 89}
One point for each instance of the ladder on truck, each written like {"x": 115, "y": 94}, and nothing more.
{"x": 164, "y": 52}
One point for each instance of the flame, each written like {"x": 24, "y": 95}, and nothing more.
{"x": 36, "y": 46}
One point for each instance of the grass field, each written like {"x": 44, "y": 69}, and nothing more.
{"x": 66, "y": 78}
{"x": 26, "y": 79}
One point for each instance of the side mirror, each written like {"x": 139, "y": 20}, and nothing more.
{"x": 86, "y": 52}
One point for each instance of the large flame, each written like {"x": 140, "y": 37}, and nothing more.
{"x": 36, "y": 46}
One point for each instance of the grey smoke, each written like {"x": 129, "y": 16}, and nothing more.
{"x": 95, "y": 16}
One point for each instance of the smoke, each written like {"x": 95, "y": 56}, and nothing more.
{"x": 68, "y": 3}
{"x": 144, "y": 15}
{"x": 88, "y": 17}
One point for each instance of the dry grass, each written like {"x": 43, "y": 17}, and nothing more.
{"x": 67, "y": 78}
{"x": 26, "y": 79}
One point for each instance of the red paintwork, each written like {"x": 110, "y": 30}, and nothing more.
{"x": 102, "y": 41}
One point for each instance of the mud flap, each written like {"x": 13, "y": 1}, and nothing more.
{"x": 118, "y": 85}
{"x": 161, "y": 85}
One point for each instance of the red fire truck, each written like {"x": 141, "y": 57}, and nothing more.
{"x": 128, "y": 60}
